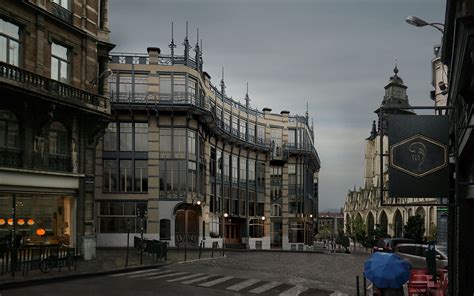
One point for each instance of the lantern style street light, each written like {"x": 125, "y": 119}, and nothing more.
{"x": 418, "y": 22}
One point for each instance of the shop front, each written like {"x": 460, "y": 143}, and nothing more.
{"x": 37, "y": 219}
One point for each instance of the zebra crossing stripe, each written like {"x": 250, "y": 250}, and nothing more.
{"x": 166, "y": 275}
{"x": 216, "y": 281}
{"x": 185, "y": 277}
{"x": 197, "y": 280}
{"x": 132, "y": 272}
{"x": 265, "y": 287}
{"x": 150, "y": 274}
{"x": 296, "y": 290}
{"x": 243, "y": 285}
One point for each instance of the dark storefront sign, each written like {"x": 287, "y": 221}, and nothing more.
{"x": 418, "y": 149}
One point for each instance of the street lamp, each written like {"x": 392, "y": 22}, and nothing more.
{"x": 418, "y": 22}
{"x": 223, "y": 232}
{"x": 263, "y": 226}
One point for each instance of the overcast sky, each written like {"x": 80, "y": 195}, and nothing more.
{"x": 337, "y": 55}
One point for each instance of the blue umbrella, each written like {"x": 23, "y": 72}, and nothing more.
{"x": 387, "y": 270}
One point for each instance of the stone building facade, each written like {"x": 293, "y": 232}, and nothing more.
{"x": 190, "y": 165}
{"x": 365, "y": 202}
{"x": 52, "y": 112}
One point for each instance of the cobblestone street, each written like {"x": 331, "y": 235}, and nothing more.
{"x": 319, "y": 270}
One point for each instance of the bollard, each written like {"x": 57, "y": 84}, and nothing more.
{"x": 365, "y": 286}
{"x": 200, "y": 250}
{"x": 357, "y": 285}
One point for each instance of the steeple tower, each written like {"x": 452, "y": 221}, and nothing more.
{"x": 396, "y": 95}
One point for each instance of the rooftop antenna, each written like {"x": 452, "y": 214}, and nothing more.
{"x": 172, "y": 45}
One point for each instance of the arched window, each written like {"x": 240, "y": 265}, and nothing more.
{"x": 59, "y": 148}
{"x": 10, "y": 152}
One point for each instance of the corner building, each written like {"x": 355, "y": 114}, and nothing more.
{"x": 52, "y": 112}
{"x": 196, "y": 166}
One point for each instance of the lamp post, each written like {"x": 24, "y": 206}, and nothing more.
{"x": 418, "y": 22}
{"x": 142, "y": 215}
{"x": 224, "y": 216}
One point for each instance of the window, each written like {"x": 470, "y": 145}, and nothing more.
{"x": 179, "y": 85}
{"x": 256, "y": 228}
{"x": 261, "y": 176}
{"x": 172, "y": 178}
{"x": 165, "y": 229}
{"x": 291, "y": 137}
{"x": 110, "y": 137}
{"x": 295, "y": 232}
{"x": 235, "y": 164}
{"x": 59, "y": 150}
{"x": 63, "y": 3}
{"x": 192, "y": 88}
{"x": 260, "y": 133}
{"x": 179, "y": 143}
{"x": 125, "y": 85}
{"x": 165, "y": 85}
{"x": 9, "y": 42}
{"x": 141, "y": 136}
{"x": 126, "y": 136}
{"x": 251, "y": 134}
{"x": 125, "y": 169}
{"x": 276, "y": 135}
{"x": 59, "y": 63}
{"x": 9, "y": 139}
{"x": 118, "y": 216}
{"x": 243, "y": 170}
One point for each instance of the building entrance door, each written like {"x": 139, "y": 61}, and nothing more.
{"x": 276, "y": 234}
{"x": 232, "y": 233}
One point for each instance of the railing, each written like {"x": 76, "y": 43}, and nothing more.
{"x": 33, "y": 81}
{"x": 62, "y": 13}
{"x": 59, "y": 163}
{"x": 156, "y": 248}
{"x": 10, "y": 157}
{"x": 42, "y": 257}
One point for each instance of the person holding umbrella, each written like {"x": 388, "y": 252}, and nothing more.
{"x": 387, "y": 272}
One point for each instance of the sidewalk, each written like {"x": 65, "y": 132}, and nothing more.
{"x": 107, "y": 261}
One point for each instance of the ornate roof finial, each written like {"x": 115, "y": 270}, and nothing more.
{"x": 247, "y": 99}
{"x": 186, "y": 46}
{"x": 172, "y": 45}
{"x": 395, "y": 70}
{"x": 196, "y": 49}
{"x": 222, "y": 82}
{"x": 307, "y": 113}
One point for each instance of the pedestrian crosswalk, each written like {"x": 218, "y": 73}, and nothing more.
{"x": 224, "y": 282}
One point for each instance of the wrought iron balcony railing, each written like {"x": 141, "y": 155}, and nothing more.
{"x": 33, "y": 82}
{"x": 59, "y": 163}
{"x": 10, "y": 157}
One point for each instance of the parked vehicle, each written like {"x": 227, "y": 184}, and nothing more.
{"x": 416, "y": 255}
{"x": 388, "y": 244}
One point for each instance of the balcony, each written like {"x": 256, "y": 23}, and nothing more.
{"x": 62, "y": 13}
{"x": 33, "y": 83}
{"x": 10, "y": 157}
{"x": 279, "y": 155}
{"x": 59, "y": 163}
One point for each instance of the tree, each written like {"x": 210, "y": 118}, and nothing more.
{"x": 325, "y": 232}
{"x": 415, "y": 228}
{"x": 359, "y": 230}
{"x": 343, "y": 241}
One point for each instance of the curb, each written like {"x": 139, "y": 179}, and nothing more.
{"x": 68, "y": 277}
